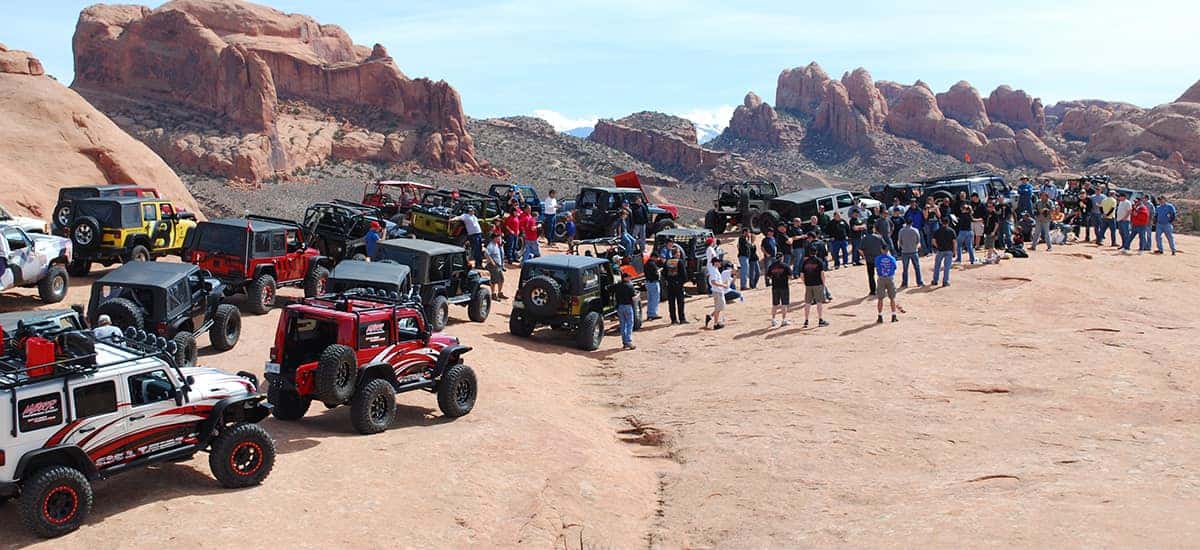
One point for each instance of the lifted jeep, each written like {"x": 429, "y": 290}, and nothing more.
{"x": 574, "y": 293}
{"x": 257, "y": 255}
{"x": 441, "y": 276}
{"x": 84, "y": 410}
{"x": 362, "y": 348}
{"x": 338, "y": 229}
{"x": 64, "y": 214}
{"x": 742, "y": 203}
{"x": 695, "y": 257}
{"x": 391, "y": 206}
{"x": 176, "y": 301}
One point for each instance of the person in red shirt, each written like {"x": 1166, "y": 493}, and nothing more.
{"x": 529, "y": 227}
{"x": 1140, "y": 218}
{"x": 512, "y": 235}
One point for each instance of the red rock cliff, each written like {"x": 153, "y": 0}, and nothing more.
{"x": 661, "y": 140}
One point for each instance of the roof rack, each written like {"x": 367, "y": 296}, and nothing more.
{"x": 393, "y": 298}
{"x": 952, "y": 177}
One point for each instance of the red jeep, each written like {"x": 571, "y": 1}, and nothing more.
{"x": 257, "y": 255}
{"x": 394, "y": 207}
{"x": 361, "y": 348}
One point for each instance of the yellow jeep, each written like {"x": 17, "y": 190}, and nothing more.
{"x": 110, "y": 230}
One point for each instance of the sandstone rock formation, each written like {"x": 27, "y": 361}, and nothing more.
{"x": 1016, "y": 109}
{"x": 891, "y": 91}
{"x": 236, "y": 63}
{"x": 658, "y": 140}
{"x": 1192, "y": 95}
{"x": 963, "y": 103}
{"x": 801, "y": 89}
{"x": 845, "y": 125}
{"x": 1081, "y": 123}
{"x": 865, "y": 97}
{"x": 916, "y": 115}
{"x": 756, "y": 122}
{"x": 53, "y": 138}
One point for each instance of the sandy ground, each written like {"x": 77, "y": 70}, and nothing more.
{"x": 1042, "y": 402}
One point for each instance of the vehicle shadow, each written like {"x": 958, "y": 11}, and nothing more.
{"x": 122, "y": 494}
{"x": 857, "y": 330}
{"x": 850, "y": 303}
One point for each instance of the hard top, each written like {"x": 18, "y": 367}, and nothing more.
{"x": 462, "y": 193}
{"x": 519, "y": 186}
{"x": 8, "y": 321}
{"x": 149, "y": 274}
{"x": 614, "y": 190}
{"x": 806, "y": 195}
{"x": 565, "y": 261}
{"x": 101, "y": 188}
{"x": 422, "y": 246}
{"x": 747, "y": 183}
{"x": 255, "y": 224}
{"x": 353, "y": 207}
{"x": 122, "y": 200}
{"x": 684, "y": 232}
{"x": 956, "y": 178}
{"x": 368, "y": 272}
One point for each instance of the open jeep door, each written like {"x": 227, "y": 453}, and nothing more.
{"x": 629, "y": 180}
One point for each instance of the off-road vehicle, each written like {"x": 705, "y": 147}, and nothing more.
{"x": 441, "y": 277}
{"x": 258, "y": 255}
{"x": 694, "y": 243}
{"x": 338, "y": 229}
{"x": 84, "y": 410}
{"x": 529, "y": 195}
{"x": 985, "y": 184}
{"x": 63, "y": 214}
{"x": 573, "y": 293}
{"x": 741, "y": 203}
{"x": 394, "y": 199}
{"x": 29, "y": 225}
{"x": 125, "y": 229}
{"x": 809, "y": 202}
{"x": 386, "y": 276}
{"x": 32, "y": 259}
{"x": 362, "y": 348}
{"x": 431, "y": 218}
{"x": 610, "y": 248}
{"x": 177, "y": 301}
{"x": 597, "y": 208}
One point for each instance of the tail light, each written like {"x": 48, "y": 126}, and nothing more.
{"x": 272, "y": 354}
{"x": 2, "y": 458}
{"x": 113, "y": 234}
{"x": 162, "y": 328}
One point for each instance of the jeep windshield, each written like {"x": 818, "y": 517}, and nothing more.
{"x": 109, "y": 214}
{"x": 221, "y": 239}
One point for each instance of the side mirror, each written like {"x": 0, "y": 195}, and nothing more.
{"x": 190, "y": 380}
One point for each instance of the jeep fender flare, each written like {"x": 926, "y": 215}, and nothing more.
{"x": 66, "y": 455}
{"x": 138, "y": 239}
{"x": 268, "y": 269}
{"x": 245, "y": 408}
{"x": 448, "y": 357}
{"x": 373, "y": 371}
{"x": 323, "y": 261}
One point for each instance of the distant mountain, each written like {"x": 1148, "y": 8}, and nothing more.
{"x": 580, "y": 132}
{"x": 707, "y": 132}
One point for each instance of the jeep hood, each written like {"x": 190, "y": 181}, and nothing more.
{"x": 211, "y": 383}
{"x": 51, "y": 245}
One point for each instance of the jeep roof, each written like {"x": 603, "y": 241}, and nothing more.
{"x": 64, "y": 318}
{"x": 370, "y": 273}
{"x": 253, "y": 223}
{"x": 565, "y": 261}
{"x": 686, "y": 232}
{"x": 806, "y": 195}
{"x": 421, "y": 246}
{"x": 148, "y": 274}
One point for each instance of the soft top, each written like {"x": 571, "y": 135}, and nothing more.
{"x": 255, "y": 225}
{"x": 420, "y": 245}
{"x": 565, "y": 261}
{"x": 810, "y": 194}
{"x": 395, "y": 183}
{"x": 153, "y": 274}
{"x": 368, "y": 272}
{"x": 119, "y": 200}
{"x": 684, "y": 232}
{"x": 102, "y": 187}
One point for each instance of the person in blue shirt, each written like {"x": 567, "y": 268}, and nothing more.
{"x": 885, "y": 283}
{"x": 1024, "y": 196}
{"x": 916, "y": 217}
{"x": 371, "y": 238}
{"x": 1164, "y": 224}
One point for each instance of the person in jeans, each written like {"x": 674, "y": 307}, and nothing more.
{"x": 474, "y": 233}
{"x": 909, "y": 241}
{"x": 885, "y": 266}
{"x": 529, "y": 230}
{"x": 512, "y": 235}
{"x": 1041, "y": 231}
{"x": 747, "y": 260}
{"x": 1124, "y": 226}
{"x": 626, "y": 294}
{"x": 915, "y": 216}
{"x": 839, "y": 233}
{"x": 813, "y": 271}
{"x": 1108, "y": 219}
{"x": 639, "y": 216}
{"x": 883, "y": 228}
{"x": 1164, "y": 224}
{"x": 872, "y": 246}
{"x": 1005, "y": 212}
{"x": 797, "y": 234}
{"x": 549, "y": 211}
{"x": 1140, "y": 220}
{"x": 966, "y": 237}
{"x": 858, "y": 229}
{"x": 769, "y": 251}
{"x": 674, "y": 274}
{"x": 944, "y": 240}
{"x": 653, "y": 288}
{"x": 784, "y": 243}
{"x": 779, "y": 275}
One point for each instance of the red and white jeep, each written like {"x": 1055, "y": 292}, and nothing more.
{"x": 361, "y": 348}
{"x": 84, "y": 409}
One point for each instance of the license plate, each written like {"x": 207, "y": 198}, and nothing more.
{"x": 272, "y": 368}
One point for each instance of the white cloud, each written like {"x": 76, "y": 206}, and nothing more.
{"x": 709, "y": 122}
{"x": 563, "y": 122}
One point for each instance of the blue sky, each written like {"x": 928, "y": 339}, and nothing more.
{"x": 576, "y": 60}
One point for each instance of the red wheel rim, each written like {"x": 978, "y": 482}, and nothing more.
{"x": 60, "y": 505}
{"x": 246, "y": 458}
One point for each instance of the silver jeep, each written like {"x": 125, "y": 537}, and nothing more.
{"x": 34, "y": 259}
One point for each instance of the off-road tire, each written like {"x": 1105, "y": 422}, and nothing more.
{"x": 227, "y": 327}
{"x": 241, "y": 456}
{"x": 768, "y": 220}
{"x": 518, "y": 326}
{"x": 314, "y": 282}
{"x": 53, "y": 287}
{"x": 663, "y": 225}
{"x": 457, "y": 391}
{"x": 548, "y": 296}
{"x": 186, "y": 352}
{"x": 335, "y": 374}
{"x": 559, "y": 231}
{"x": 590, "y": 333}
{"x": 715, "y": 222}
{"x": 481, "y": 305}
{"x": 373, "y": 407}
{"x": 260, "y": 295}
{"x": 123, "y": 312}
{"x": 55, "y": 501}
{"x": 638, "y": 317}
{"x": 62, "y": 215}
{"x": 82, "y": 229}
{"x": 437, "y": 313}
{"x": 287, "y": 404}
{"x": 79, "y": 267}
{"x": 139, "y": 253}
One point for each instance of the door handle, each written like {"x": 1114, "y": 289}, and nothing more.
{"x": 138, "y": 417}
{"x": 87, "y": 429}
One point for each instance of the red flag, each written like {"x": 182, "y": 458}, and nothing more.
{"x": 967, "y": 158}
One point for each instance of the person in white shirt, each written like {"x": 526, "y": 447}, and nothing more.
{"x": 1124, "y": 215}
{"x": 718, "y": 288}
{"x": 549, "y": 210}
{"x": 474, "y": 233}
{"x": 104, "y": 329}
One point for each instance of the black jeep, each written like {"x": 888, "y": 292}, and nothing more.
{"x": 742, "y": 203}
{"x": 597, "y": 208}
{"x": 694, "y": 243}
{"x": 173, "y": 300}
{"x": 574, "y": 293}
{"x": 441, "y": 276}
{"x": 386, "y": 276}
{"x": 338, "y": 229}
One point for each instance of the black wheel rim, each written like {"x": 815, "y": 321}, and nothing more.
{"x": 344, "y": 374}
{"x": 232, "y": 329}
{"x": 60, "y": 505}
{"x": 463, "y": 392}
{"x": 141, "y": 256}
{"x": 246, "y": 458}
{"x": 64, "y": 216}
{"x": 378, "y": 408}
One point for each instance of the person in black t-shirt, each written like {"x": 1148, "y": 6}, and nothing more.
{"x": 839, "y": 233}
{"x": 653, "y": 288}
{"x": 779, "y": 274}
{"x": 625, "y": 295}
{"x": 813, "y": 270}
{"x": 944, "y": 240}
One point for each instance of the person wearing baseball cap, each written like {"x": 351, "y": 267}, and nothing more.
{"x": 372, "y": 237}
{"x": 104, "y": 328}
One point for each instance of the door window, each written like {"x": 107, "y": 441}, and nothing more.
{"x": 166, "y": 211}
{"x": 150, "y": 387}
{"x": 409, "y": 328}
{"x": 177, "y": 295}
{"x": 262, "y": 243}
{"x": 95, "y": 399}
{"x": 827, "y": 203}
{"x": 845, "y": 200}
{"x": 590, "y": 279}
{"x": 278, "y": 241}
{"x": 149, "y": 213}
{"x": 16, "y": 240}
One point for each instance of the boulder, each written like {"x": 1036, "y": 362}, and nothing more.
{"x": 963, "y": 103}
{"x": 1035, "y": 152}
{"x": 1017, "y": 109}
{"x": 1081, "y": 123}
{"x": 865, "y": 97}
{"x": 1114, "y": 138}
{"x": 996, "y": 130}
{"x": 841, "y": 121}
{"x": 916, "y": 115}
{"x": 19, "y": 62}
{"x": 801, "y": 89}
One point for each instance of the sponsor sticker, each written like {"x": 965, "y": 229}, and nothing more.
{"x": 40, "y": 412}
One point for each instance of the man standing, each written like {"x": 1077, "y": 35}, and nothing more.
{"x": 769, "y": 251}
{"x": 883, "y": 228}
{"x": 915, "y": 216}
{"x": 1124, "y": 226}
{"x": 549, "y": 211}
{"x": 1024, "y": 196}
{"x": 653, "y": 288}
{"x": 778, "y": 277}
{"x": 838, "y": 231}
{"x": 784, "y": 243}
{"x": 495, "y": 266}
{"x": 717, "y": 288}
{"x": 1108, "y": 219}
{"x": 626, "y": 294}
{"x": 885, "y": 266}
{"x": 747, "y": 260}
{"x": 1044, "y": 209}
{"x": 858, "y": 229}
{"x": 529, "y": 228}
{"x": 872, "y": 246}
{"x": 966, "y": 237}
{"x": 1164, "y": 224}
{"x": 1140, "y": 219}
{"x": 474, "y": 233}
{"x": 813, "y": 270}
{"x": 371, "y": 238}
{"x": 797, "y": 234}
{"x": 512, "y": 234}
{"x": 674, "y": 275}
{"x": 639, "y": 216}
{"x": 944, "y": 239}
{"x": 909, "y": 240}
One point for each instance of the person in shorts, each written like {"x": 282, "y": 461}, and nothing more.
{"x": 885, "y": 282}
{"x": 494, "y": 258}
{"x": 813, "y": 271}
{"x": 779, "y": 274}
{"x": 718, "y": 288}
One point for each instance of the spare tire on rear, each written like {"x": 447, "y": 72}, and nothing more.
{"x": 85, "y": 233}
{"x": 335, "y": 375}
{"x": 123, "y": 313}
{"x": 541, "y": 296}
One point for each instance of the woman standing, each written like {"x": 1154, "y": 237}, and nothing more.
{"x": 748, "y": 271}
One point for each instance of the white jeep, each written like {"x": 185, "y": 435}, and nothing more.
{"x": 31, "y": 225}
{"x": 33, "y": 259}
{"x": 85, "y": 408}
